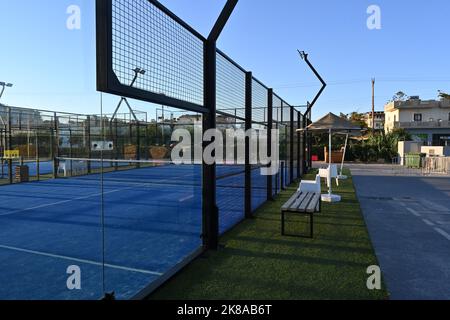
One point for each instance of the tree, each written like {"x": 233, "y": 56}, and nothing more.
{"x": 400, "y": 96}
{"x": 358, "y": 119}
{"x": 444, "y": 95}
{"x": 400, "y": 134}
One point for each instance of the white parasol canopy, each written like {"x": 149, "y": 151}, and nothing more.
{"x": 332, "y": 123}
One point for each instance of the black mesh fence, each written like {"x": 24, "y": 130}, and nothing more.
{"x": 156, "y": 215}
{"x": 171, "y": 56}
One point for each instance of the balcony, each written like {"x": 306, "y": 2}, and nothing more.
{"x": 423, "y": 125}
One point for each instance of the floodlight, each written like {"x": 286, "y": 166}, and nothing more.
{"x": 303, "y": 54}
{"x": 139, "y": 70}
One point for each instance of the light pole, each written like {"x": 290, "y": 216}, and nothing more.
{"x": 307, "y": 115}
{"x": 4, "y": 85}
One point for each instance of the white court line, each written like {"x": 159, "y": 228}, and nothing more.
{"x": 428, "y": 222}
{"x": 186, "y": 198}
{"x": 61, "y": 202}
{"x": 82, "y": 198}
{"x": 414, "y": 212}
{"x": 95, "y": 263}
{"x": 442, "y": 233}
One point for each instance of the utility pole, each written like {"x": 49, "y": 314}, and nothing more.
{"x": 373, "y": 105}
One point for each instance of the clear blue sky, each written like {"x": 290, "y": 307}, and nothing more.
{"x": 54, "y": 68}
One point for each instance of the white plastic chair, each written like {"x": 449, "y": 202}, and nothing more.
{"x": 310, "y": 186}
{"x": 62, "y": 167}
{"x": 330, "y": 173}
{"x": 65, "y": 166}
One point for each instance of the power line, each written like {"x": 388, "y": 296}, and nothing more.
{"x": 356, "y": 81}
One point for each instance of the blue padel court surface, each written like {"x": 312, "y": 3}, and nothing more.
{"x": 152, "y": 222}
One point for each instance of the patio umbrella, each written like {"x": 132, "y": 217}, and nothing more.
{"x": 331, "y": 123}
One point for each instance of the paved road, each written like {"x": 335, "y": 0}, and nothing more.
{"x": 408, "y": 217}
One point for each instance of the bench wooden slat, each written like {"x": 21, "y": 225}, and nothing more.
{"x": 299, "y": 201}
{"x": 289, "y": 203}
{"x": 302, "y": 207}
{"x": 303, "y": 202}
{"x": 314, "y": 204}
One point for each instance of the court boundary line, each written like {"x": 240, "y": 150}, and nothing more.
{"x": 85, "y": 261}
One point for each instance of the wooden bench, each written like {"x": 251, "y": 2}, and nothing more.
{"x": 305, "y": 203}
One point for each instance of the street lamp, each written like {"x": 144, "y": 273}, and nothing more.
{"x": 4, "y": 85}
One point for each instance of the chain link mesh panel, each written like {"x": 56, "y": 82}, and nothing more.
{"x": 145, "y": 37}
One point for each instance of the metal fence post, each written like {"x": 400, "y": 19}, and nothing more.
{"x": 55, "y": 145}
{"x": 138, "y": 143}
{"x": 210, "y": 209}
{"x": 9, "y": 141}
{"x": 38, "y": 175}
{"x": 291, "y": 145}
{"x": 309, "y": 143}
{"x": 248, "y": 127}
{"x": 88, "y": 142}
{"x": 269, "y": 140}
{"x": 116, "y": 142}
{"x": 299, "y": 157}
{"x": 305, "y": 144}
{"x": 70, "y": 151}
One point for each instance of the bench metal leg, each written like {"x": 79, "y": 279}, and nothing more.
{"x": 311, "y": 225}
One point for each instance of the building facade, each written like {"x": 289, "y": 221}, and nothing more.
{"x": 428, "y": 121}
{"x": 379, "y": 120}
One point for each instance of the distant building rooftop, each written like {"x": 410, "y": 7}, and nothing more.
{"x": 417, "y": 103}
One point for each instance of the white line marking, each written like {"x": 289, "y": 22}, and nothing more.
{"x": 443, "y": 233}
{"x": 435, "y": 206}
{"x": 95, "y": 263}
{"x": 186, "y": 198}
{"x": 62, "y": 202}
{"x": 414, "y": 212}
{"x": 428, "y": 222}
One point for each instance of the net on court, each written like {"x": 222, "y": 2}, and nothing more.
{"x": 229, "y": 175}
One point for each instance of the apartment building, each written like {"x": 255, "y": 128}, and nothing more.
{"x": 379, "y": 120}
{"x": 428, "y": 121}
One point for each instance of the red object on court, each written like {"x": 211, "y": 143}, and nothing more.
{"x": 315, "y": 158}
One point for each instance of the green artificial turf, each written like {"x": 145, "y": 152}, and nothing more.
{"x": 255, "y": 262}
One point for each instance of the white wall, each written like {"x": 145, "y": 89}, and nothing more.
{"x": 436, "y": 151}
{"x": 435, "y": 114}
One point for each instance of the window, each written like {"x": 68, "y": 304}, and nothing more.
{"x": 417, "y": 117}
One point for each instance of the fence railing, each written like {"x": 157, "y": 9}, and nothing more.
{"x": 422, "y": 165}
{"x": 436, "y": 165}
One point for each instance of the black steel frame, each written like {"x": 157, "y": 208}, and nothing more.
{"x": 108, "y": 82}
{"x": 269, "y": 139}
{"x": 308, "y": 114}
